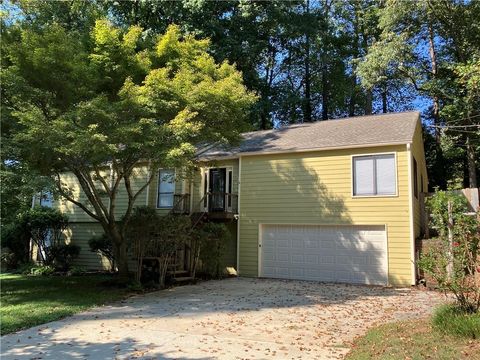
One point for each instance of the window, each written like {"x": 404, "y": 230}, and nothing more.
{"x": 374, "y": 175}
{"x": 415, "y": 178}
{"x": 230, "y": 185}
{"x": 166, "y": 188}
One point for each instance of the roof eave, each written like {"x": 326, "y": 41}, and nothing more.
{"x": 256, "y": 153}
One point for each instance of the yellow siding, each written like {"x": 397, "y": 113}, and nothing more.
{"x": 79, "y": 234}
{"x": 316, "y": 188}
{"x": 76, "y": 214}
{"x": 419, "y": 155}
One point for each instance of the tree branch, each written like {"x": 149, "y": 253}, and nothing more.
{"x": 73, "y": 201}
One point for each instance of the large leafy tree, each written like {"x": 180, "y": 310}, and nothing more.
{"x": 98, "y": 107}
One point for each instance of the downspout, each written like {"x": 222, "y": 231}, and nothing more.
{"x": 411, "y": 214}
{"x": 238, "y": 212}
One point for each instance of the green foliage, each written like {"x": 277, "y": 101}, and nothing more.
{"x": 152, "y": 235}
{"x": 76, "y": 270}
{"x": 455, "y": 321}
{"x": 45, "y": 227}
{"x": 15, "y": 240}
{"x": 99, "y": 94}
{"x": 42, "y": 270}
{"x": 103, "y": 245}
{"x": 454, "y": 265}
{"x": 62, "y": 255}
{"x": 213, "y": 238}
{"x": 447, "y": 74}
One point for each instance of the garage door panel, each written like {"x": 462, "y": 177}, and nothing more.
{"x": 353, "y": 254}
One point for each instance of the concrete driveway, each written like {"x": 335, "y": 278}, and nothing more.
{"x": 226, "y": 319}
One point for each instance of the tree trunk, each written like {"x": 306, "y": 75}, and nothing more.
{"x": 384, "y": 101}
{"x": 436, "y": 101}
{"x": 368, "y": 102}
{"x": 324, "y": 91}
{"x": 120, "y": 251}
{"x": 307, "y": 101}
{"x": 472, "y": 170}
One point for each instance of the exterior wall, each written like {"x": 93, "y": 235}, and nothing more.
{"x": 75, "y": 214}
{"x": 82, "y": 227}
{"x": 316, "y": 188}
{"x": 79, "y": 234}
{"x": 418, "y": 154}
{"x": 230, "y": 258}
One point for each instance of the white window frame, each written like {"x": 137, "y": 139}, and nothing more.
{"x": 158, "y": 188}
{"x": 352, "y": 174}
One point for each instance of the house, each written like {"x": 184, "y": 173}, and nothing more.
{"x": 335, "y": 200}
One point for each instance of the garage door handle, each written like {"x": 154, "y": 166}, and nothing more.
{"x": 259, "y": 245}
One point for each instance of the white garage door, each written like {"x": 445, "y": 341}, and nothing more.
{"x": 349, "y": 254}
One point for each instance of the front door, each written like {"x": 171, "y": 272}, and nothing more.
{"x": 217, "y": 189}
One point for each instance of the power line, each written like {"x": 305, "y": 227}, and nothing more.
{"x": 453, "y": 126}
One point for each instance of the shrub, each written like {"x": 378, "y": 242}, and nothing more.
{"x": 42, "y": 270}
{"x": 213, "y": 239}
{"x": 26, "y": 268}
{"x": 16, "y": 238}
{"x": 156, "y": 236}
{"x": 76, "y": 270}
{"x": 103, "y": 245}
{"x": 453, "y": 320}
{"x": 62, "y": 255}
{"x": 454, "y": 264}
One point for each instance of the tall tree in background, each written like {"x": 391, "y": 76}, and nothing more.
{"x": 320, "y": 59}
{"x": 427, "y": 44}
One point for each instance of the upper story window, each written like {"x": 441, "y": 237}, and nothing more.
{"x": 166, "y": 188}
{"x": 374, "y": 175}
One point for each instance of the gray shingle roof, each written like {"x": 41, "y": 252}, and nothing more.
{"x": 393, "y": 128}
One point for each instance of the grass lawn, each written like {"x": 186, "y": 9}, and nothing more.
{"x": 414, "y": 340}
{"x": 27, "y": 301}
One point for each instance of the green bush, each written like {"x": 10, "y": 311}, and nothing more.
{"x": 213, "y": 240}
{"x": 26, "y": 268}
{"x": 453, "y": 263}
{"x": 453, "y": 320}
{"x": 42, "y": 270}
{"x": 103, "y": 245}
{"x": 151, "y": 235}
{"x": 76, "y": 270}
{"x": 16, "y": 238}
{"x": 62, "y": 255}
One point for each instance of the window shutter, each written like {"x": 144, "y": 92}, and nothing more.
{"x": 385, "y": 175}
{"x": 363, "y": 176}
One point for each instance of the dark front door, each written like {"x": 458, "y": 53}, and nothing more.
{"x": 217, "y": 189}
